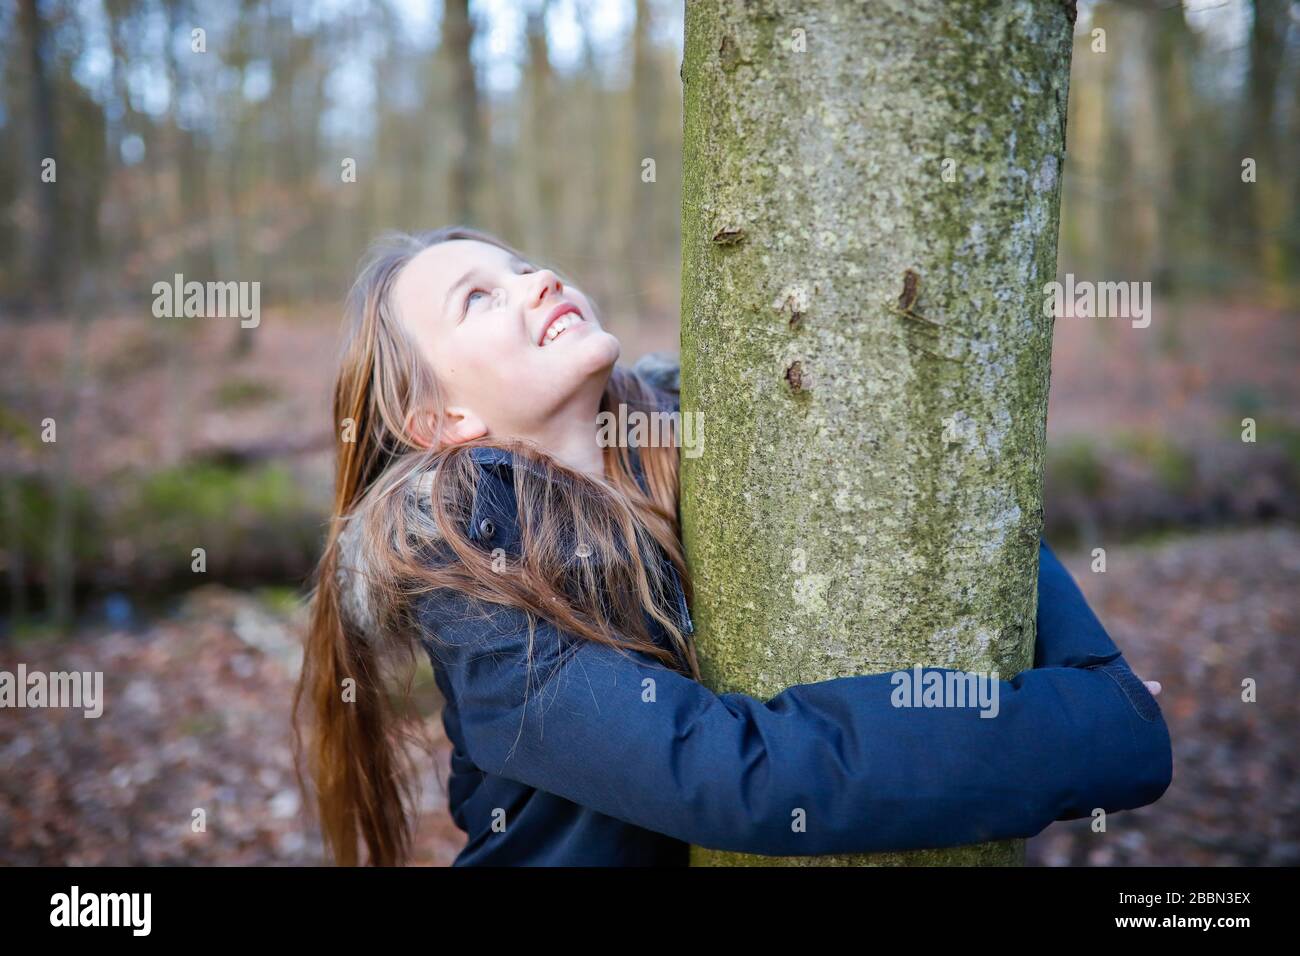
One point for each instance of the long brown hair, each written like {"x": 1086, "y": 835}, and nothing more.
{"x": 362, "y": 628}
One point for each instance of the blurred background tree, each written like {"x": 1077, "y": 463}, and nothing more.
{"x": 223, "y": 156}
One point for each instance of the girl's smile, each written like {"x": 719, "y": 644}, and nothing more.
{"x": 560, "y": 320}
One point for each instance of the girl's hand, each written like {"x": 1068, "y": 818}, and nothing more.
{"x": 1153, "y": 686}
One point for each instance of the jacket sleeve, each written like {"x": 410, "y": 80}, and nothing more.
{"x": 1070, "y": 635}
{"x": 1068, "y": 632}
{"x": 619, "y": 733}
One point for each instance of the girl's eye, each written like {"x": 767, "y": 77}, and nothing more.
{"x": 469, "y": 300}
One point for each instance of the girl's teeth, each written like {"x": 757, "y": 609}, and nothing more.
{"x": 560, "y": 324}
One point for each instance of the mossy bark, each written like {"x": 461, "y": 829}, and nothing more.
{"x": 867, "y": 226}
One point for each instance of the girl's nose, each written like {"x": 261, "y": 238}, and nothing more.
{"x": 544, "y": 283}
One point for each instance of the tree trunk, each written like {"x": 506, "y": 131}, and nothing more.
{"x": 1268, "y": 213}
{"x": 44, "y": 145}
{"x": 865, "y": 340}
{"x": 467, "y": 162}
{"x": 538, "y": 103}
{"x": 643, "y": 97}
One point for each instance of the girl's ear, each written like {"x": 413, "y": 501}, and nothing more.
{"x": 460, "y": 424}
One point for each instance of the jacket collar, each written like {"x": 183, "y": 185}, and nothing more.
{"x": 494, "y": 517}
{"x": 494, "y": 499}
{"x": 490, "y": 456}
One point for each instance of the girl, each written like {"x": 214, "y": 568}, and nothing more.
{"x": 477, "y": 516}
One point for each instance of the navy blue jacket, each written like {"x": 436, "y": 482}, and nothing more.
{"x": 572, "y": 761}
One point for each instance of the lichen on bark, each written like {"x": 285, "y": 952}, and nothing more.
{"x": 867, "y": 226}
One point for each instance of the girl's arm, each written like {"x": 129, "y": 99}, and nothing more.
{"x": 1069, "y": 634}
{"x": 621, "y": 734}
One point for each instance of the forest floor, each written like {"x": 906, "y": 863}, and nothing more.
{"x": 197, "y": 718}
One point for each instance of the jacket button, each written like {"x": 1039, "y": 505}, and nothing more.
{"x": 486, "y": 528}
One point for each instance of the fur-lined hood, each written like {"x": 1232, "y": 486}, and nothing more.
{"x": 353, "y": 571}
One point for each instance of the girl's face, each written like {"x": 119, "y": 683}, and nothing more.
{"x": 507, "y": 357}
